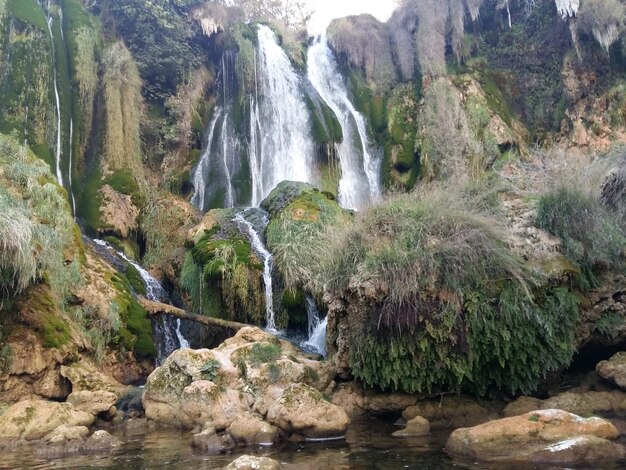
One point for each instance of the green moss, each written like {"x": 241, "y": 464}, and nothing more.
{"x": 135, "y": 280}
{"x": 90, "y": 201}
{"x": 29, "y": 12}
{"x": 124, "y": 182}
{"x": 370, "y": 105}
{"x": 136, "y": 334}
{"x": 293, "y": 299}
{"x": 261, "y": 353}
{"x": 608, "y": 325}
{"x": 210, "y": 369}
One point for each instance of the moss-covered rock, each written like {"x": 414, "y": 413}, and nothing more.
{"x": 221, "y": 273}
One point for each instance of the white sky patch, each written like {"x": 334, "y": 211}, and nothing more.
{"x": 326, "y": 10}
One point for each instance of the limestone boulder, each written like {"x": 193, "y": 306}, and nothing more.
{"x": 587, "y": 403}
{"x": 203, "y": 401}
{"x": 418, "y": 426}
{"x": 32, "y": 420}
{"x": 101, "y": 441}
{"x": 83, "y": 375}
{"x": 452, "y": 412}
{"x": 521, "y": 406}
{"x": 526, "y": 437}
{"x": 303, "y": 410}
{"x": 63, "y": 440}
{"x": 249, "y": 428}
{"x": 118, "y": 212}
{"x": 582, "y": 449}
{"x": 252, "y": 462}
{"x": 614, "y": 370}
{"x": 96, "y": 402}
{"x": 212, "y": 443}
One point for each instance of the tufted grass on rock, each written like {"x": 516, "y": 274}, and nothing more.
{"x": 590, "y": 234}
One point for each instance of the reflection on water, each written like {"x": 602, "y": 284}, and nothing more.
{"x": 368, "y": 446}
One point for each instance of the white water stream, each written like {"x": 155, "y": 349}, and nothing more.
{"x": 155, "y": 292}
{"x": 268, "y": 265}
{"x": 202, "y": 170}
{"x": 360, "y": 171}
{"x": 57, "y": 151}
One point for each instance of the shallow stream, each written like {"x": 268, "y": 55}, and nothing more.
{"x": 368, "y": 446}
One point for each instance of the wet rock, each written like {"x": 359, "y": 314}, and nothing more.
{"x": 118, "y": 212}
{"x": 418, "y": 426}
{"x": 614, "y": 369}
{"x": 251, "y": 462}
{"x": 302, "y": 409}
{"x": 589, "y": 449}
{"x": 65, "y": 439}
{"x": 83, "y": 375}
{"x": 33, "y": 419}
{"x": 212, "y": 443}
{"x": 451, "y": 412}
{"x": 92, "y": 402}
{"x": 522, "y": 406}
{"x": 587, "y": 403}
{"x": 101, "y": 441}
{"x": 249, "y": 429}
{"x": 526, "y": 436}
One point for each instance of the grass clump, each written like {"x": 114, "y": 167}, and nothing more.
{"x": 262, "y": 353}
{"x": 451, "y": 307}
{"x": 589, "y": 233}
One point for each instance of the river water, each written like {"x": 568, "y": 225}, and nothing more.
{"x": 368, "y": 446}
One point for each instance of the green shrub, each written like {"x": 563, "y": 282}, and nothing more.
{"x": 457, "y": 310}
{"x": 589, "y": 234}
{"x": 261, "y": 353}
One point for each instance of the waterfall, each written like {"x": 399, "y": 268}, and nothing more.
{"x": 286, "y": 149}
{"x": 69, "y": 173}
{"x": 154, "y": 290}
{"x": 316, "y": 327}
{"x": 259, "y": 247}
{"x": 57, "y": 152}
{"x": 317, "y": 340}
{"x": 360, "y": 171}
{"x": 166, "y": 329}
{"x": 202, "y": 170}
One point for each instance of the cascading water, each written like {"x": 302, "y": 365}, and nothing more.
{"x": 259, "y": 247}
{"x": 360, "y": 180}
{"x": 202, "y": 170}
{"x": 57, "y": 151}
{"x": 69, "y": 173}
{"x": 285, "y": 149}
{"x": 168, "y": 329}
{"x": 220, "y": 162}
{"x": 316, "y": 327}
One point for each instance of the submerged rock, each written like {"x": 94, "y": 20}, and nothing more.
{"x": 418, "y": 426}
{"x": 249, "y": 428}
{"x": 589, "y": 449}
{"x": 529, "y": 437}
{"x": 101, "y": 441}
{"x": 212, "y": 443}
{"x": 452, "y": 412}
{"x": 63, "y": 440}
{"x": 251, "y": 462}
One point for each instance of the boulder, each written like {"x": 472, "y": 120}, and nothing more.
{"x": 101, "y": 441}
{"x": 83, "y": 375}
{"x": 451, "y": 412}
{"x": 252, "y": 462}
{"x": 522, "y": 406}
{"x": 92, "y": 402}
{"x": 302, "y": 409}
{"x": 526, "y": 436}
{"x": 249, "y": 429}
{"x": 588, "y": 449}
{"x": 203, "y": 401}
{"x": 34, "y": 419}
{"x": 418, "y": 426}
{"x": 118, "y": 212}
{"x": 587, "y": 403}
{"x": 212, "y": 443}
{"x": 64, "y": 439}
{"x": 614, "y": 369}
